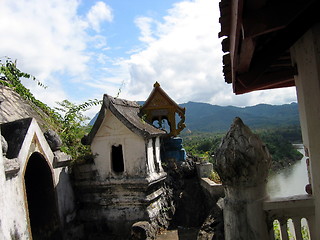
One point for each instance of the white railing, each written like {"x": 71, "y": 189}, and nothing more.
{"x": 290, "y": 218}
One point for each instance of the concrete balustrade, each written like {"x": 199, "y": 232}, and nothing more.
{"x": 242, "y": 162}
{"x": 299, "y": 209}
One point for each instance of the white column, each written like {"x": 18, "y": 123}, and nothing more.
{"x": 306, "y": 55}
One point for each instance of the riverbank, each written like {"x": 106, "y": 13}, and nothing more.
{"x": 291, "y": 180}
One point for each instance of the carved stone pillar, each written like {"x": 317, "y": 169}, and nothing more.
{"x": 242, "y": 162}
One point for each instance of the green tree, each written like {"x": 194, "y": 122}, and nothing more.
{"x": 74, "y": 127}
{"x": 10, "y": 76}
{"x": 278, "y": 142}
{"x": 68, "y": 119}
{"x": 282, "y": 152}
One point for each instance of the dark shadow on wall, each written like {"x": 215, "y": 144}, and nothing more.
{"x": 41, "y": 199}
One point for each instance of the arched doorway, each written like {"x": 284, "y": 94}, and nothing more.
{"x": 41, "y": 199}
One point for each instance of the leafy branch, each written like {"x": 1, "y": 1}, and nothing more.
{"x": 74, "y": 127}
{"x": 10, "y": 76}
{"x": 68, "y": 118}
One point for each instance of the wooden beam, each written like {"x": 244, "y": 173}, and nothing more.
{"x": 227, "y": 68}
{"x": 283, "y": 78}
{"x": 225, "y": 9}
{"x": 253, "y": 5}
{"x": 236, "y": 18}
{"x": 241, "y": 90}
{"x": 280, "y": 43}
{"x": 225, "y": 45}
{"x": 273, "y": 17}
{"x": 225, "y": 27}
{"x": 246, "y": 53}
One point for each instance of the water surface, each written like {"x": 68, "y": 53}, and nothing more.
{"x": 289, "y": 181}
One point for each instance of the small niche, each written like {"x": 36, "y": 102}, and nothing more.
{"x": 117, "y": 159}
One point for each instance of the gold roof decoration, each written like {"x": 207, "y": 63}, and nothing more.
{"x": 159, "y": 107}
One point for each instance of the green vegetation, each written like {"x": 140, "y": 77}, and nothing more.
{"x": 199, "y": 144}
{"x": 73, "y": 127}
{"x": 278, "y": 141}
{"x": 214, "y": 176}
{"x": 67, "y": 119}
{"x": 277, "y": 231}
{"x": 10, "y": 76}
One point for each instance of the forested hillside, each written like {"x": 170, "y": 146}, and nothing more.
{"x": 278, "y": 141}
{"x": 203, "y": 117}
{"x": 277, "y": 125}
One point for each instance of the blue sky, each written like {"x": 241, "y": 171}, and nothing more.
{"x": 83, "y": 49}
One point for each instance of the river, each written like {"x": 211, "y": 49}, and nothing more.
{"x": 289, "y": 181}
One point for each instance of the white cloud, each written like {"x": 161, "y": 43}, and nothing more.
{"x": 99, "y": 13}
{"x": 182, "y": 52}
{"x": 184, "y": 55}
{"x": 51, "y": 41}
{"x": 145, "y": 26}
{"x": 45, "y": 36}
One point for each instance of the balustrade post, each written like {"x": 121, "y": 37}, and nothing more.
{"x": 242, "y": 161}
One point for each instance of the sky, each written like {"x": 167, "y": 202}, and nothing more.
{"x": 82, "y": 49}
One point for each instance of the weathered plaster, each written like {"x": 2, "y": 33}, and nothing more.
{"x": 13, "y": 201}
{"x": 306, "y": 55}
{"x": 113, "y": 132}
{"x": 2, "y": 179}
{"x": 118, "y": 199}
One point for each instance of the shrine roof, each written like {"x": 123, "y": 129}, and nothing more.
{"x": 163, "y": 101}
{"x": 128, "y": 112}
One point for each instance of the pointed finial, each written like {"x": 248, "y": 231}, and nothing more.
{"x": 156, "y": 84}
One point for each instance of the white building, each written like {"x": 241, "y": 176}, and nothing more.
{"x": 36, "y": 197}
{"x": 127, "y": 186}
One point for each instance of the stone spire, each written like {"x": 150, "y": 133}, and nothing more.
{"x": 242, "y": 162}
{"x": 242, "y": 158}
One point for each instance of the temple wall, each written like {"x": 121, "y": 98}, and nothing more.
{"x": 154, "y": 160}
{"x": 111, "y": 200}
{"x": 14, "y": 221}
{"x": 2, "y": 179}
{"x": 113, "y": 133}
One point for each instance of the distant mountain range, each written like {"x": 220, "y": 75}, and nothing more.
{"x": 204, "y": 117}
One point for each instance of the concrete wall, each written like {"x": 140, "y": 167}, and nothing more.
{"x": 14, "y": 220}
{"x": 140, "y": 156}
{"x": 113, "y": 201}
{"x": 2, "y": 180}
{"x": 305, "y": 55}
{"x": 154, "y": 160}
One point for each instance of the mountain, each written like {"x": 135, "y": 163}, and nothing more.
{"x": 204, "y": 117}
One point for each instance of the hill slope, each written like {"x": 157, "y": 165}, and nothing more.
{"x": 204, "y": 117}
{"x": 212, "y": 118}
